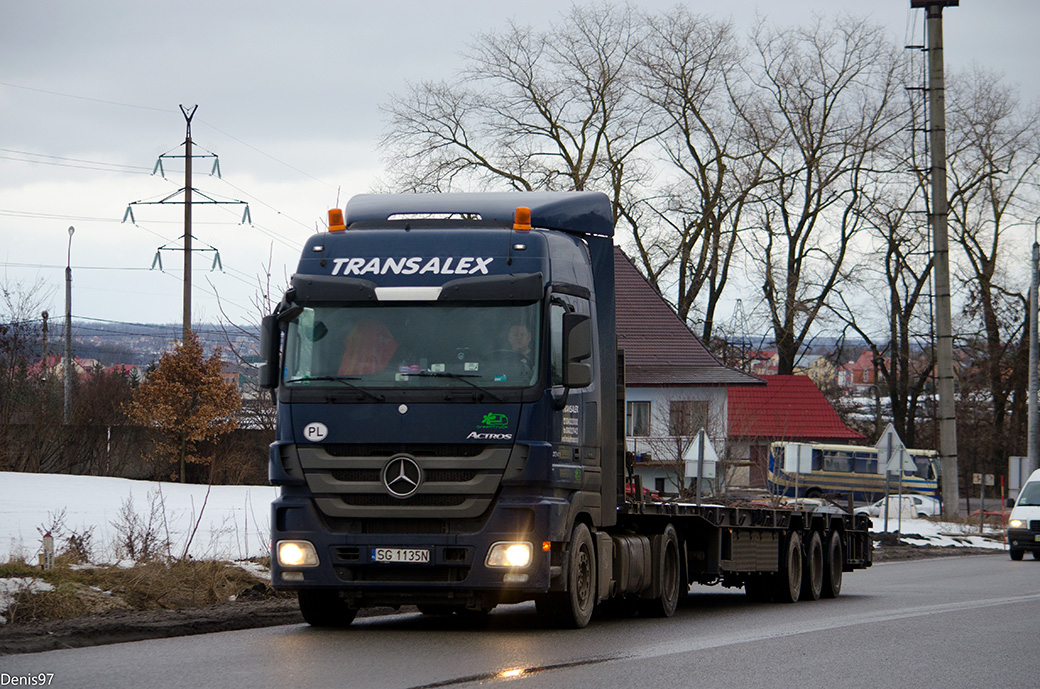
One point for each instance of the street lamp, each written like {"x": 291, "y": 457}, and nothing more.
{"x": 68, "y": 330}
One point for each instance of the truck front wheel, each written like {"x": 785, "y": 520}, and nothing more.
{"x": 321, "y": 608}
{"x": 573, "y": 608}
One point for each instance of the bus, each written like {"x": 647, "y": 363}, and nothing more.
{"x": 849, "y": 469}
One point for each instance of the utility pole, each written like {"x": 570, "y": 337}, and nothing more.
{"x": 941, "y": 254}
{"x": 1033, "y": 451}
{"x": 188, "y": 202}
{"x": 68, "y": 332}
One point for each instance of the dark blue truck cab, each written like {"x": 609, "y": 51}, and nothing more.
{"x": 447, "y": 383}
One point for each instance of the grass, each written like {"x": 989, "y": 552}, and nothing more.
{"x": 152, "y": 585}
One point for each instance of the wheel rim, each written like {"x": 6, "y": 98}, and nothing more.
{"x": 583, "y": 580}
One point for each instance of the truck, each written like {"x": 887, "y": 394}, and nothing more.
{"x": 450, "y": 429}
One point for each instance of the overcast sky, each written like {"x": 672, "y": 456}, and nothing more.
{"x": 288, "y": 96}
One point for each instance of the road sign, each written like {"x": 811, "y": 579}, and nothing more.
{"x": 797, "y": 458}
{"x": 693, "y": 457}
{"x": 892, "y": 453}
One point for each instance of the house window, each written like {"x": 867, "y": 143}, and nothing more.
{"x": 686, "y": 417}
{"x": 659, "y": 485}
{"x": 637, "y": 419}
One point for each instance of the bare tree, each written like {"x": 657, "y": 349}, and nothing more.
{"x": 897, "y": 279}
{"x": 689, "y": 69}
{"x": 20, "y": 341}
{"x": 551, "y": 110}
{"x": 994, "y": 167}
{"x": 257, "y": 411}
{"x": 824, "y": 111}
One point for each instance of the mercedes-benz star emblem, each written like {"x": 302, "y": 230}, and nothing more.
{"x": 402, "y": 477}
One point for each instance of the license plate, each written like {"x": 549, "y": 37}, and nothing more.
{"x": 1037, "y": 538}
{"x": 407, "y": 555}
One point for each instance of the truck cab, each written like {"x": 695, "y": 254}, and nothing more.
{"x": 444, "y": 373}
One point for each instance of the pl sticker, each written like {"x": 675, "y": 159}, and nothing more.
{"x": 315, "y": 432}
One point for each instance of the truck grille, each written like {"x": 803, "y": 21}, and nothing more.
{"x": 389, "y": 450}
{"x": 455, "y": 481}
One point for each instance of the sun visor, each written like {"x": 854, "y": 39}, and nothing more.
{"x": 518, "y": 287}
{"x": 325, "y": 288}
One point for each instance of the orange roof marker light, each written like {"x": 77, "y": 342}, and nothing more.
{"x": 336, "y": 220}
{"x": 522, "y": 218}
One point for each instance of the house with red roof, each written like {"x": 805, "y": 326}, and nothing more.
{"x": 674, "y": 386}
{"x": 787, "y": 408}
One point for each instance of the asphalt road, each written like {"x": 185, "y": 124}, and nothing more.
{"x": 946, "y": 622}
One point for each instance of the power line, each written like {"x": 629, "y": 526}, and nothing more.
{"x": 68, "y": 162}
{"x": 86, "y": 98}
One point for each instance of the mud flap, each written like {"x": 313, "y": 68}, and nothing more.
{"x": 604, "y": 564}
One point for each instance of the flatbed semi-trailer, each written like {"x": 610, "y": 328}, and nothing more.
{"x": 448, "y": 429}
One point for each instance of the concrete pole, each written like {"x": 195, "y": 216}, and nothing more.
{"x": 1033, "y": 451}
{"x": 68, "y": 332}
{"x": 941, "y": 256}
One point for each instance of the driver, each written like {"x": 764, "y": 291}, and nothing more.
{"x": 519, "y": 338}
{"x": 367, "y": 349}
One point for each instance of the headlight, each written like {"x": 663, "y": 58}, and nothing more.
{"x": 509, "y": 555}
{"x": 297, "y": 554}
{"x": 1016, "y": 523}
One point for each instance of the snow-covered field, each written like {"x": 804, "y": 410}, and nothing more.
{"x": 928, "y": 532}
{"x": 231, "y": 522}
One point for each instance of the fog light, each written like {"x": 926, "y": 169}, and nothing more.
{"x": 292, "y": 576}
{"x": 297, "y": 554}
{"x": 509, "y": 555}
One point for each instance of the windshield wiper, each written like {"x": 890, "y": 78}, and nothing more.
{"x": 339, "y": 379}
{"x": 459, "y": 376}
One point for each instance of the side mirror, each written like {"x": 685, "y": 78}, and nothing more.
{"x": 270, "y": 339}
{"x": 577, "y": 347}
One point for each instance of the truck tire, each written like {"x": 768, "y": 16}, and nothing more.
{"x": 668, "y": 570}
{"x": 572, "y": 609}
{"x": 812, "y": 571}
{"x": 833, "y": 566}
{"x": 787, "y": 585}
{"x": 1016, "y": 555}
{"x": 322, "y": 608}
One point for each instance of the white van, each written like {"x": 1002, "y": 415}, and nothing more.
{"x": 1024, "y": 523}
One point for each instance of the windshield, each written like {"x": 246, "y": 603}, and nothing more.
{"x": 1030, "y": 495}
{"x": 414, "y": 345}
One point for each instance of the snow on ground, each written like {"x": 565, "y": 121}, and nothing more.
{"x": 928, "y": 532}
{"x": 9, "y": 588}
{"x": 233, "y": 521}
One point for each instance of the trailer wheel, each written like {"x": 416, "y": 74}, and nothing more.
{"x": 833, "y": 563}
{"x": 788, "y": 581}
{"x": 812, "y": 572}
{"x": 572, "y": 608}
{"x": 669, "y": 574}
{"x": 322, "y": 608}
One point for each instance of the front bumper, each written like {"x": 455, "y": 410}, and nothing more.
{"x": 456, "y": 572}
{"x": 1023, "y": 539}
